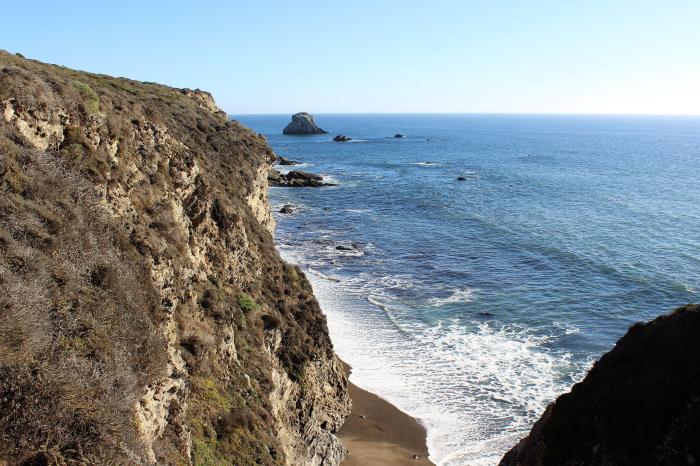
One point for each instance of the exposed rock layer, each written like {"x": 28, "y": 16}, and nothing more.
{"x": 639, "y": 404}
{"x": 146, "y": 316}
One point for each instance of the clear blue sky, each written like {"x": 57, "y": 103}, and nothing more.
{"x": 383, "y": 56}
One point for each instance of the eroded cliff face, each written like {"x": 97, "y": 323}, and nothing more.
{"x": 638, "y": 405}
{"x": 138, "y": 210}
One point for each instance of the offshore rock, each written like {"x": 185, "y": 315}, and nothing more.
{"x": 302, "y": 123}
{"x": 285, "y": 161}
{"x": 296, "y": 179}
{"x": 638, "y": 405}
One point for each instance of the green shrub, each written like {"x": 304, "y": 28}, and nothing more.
{"x": 92, "y": 100}
{"x": 246, "y": 303}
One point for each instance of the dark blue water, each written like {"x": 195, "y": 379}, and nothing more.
{"x": 472, "y": 304}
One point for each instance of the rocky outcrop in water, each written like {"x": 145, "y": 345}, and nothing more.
{"x": 145, "y": 315}
{"x": 638, "y": 405}
{"x": 342, "y": 138}
{"x": 285, "y": 161}
{"x": 296, "y": 179}
{"x": 302, "y": 123}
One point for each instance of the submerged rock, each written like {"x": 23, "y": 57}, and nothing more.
{"x": 398, "y": 135}
{"x": 342, "y": 138}
{"x": 296, "y": 179}
{"x": 285, "y": 161}
{"x": 461, "y": 178}
{"x": 287, "y": 209}
{"x": 302, "y": 123}
{"x": 638, "y": 405}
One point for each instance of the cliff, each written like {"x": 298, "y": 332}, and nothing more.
{"x": 638, "y": 405}
{"x": 145, "y": 316}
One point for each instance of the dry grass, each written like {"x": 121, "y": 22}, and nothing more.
{"x": 78, "y": 306}
{"x": 77, "y": 334}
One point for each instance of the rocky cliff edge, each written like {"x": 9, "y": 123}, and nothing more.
{"x": 638, "y": 405}
{"x": 145, "y": 316}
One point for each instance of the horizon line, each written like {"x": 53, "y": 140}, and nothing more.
{"x": 478, "y": 113}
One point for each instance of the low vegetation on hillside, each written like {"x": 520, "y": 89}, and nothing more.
{"x": 145, "y": 316}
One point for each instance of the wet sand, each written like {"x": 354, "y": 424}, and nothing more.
{"x": 377, "y": 433}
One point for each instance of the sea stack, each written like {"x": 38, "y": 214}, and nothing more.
{"x": 302, "y": 123}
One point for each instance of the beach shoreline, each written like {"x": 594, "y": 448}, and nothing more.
{"x": 378, "y": 433}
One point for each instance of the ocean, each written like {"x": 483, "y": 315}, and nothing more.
{"x": 473, "y": 304}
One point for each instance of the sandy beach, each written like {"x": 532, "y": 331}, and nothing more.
{"x": 377, "y": 433}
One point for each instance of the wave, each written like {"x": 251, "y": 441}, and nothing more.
{"x": 465, "y": 295}
{"x": 284, "y": 169}
{"x": 476, "y": 386}
{"x": 322, "y": 275}
{"x": 330, "y": 179}
{"x": 358, "y": 211}
{"x": 427, "y": 164}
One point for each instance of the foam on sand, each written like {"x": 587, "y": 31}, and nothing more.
{"x": 477, "y": 388}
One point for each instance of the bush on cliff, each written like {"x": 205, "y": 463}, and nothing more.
{"x": 127, "y": 239}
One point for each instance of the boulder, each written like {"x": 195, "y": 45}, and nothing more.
{"x": 461, "y": 178}
{"x": 287, "y": 209}
{"x": 302, "y": 123}
{"x": 398, "y": 135}
{"x": 342, "y": 138}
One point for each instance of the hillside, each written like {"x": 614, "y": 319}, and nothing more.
{"x": 639, "y": 404}
{"x": 145, "y": 316}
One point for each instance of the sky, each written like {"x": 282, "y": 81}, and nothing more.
{"x": 497, "y": 56}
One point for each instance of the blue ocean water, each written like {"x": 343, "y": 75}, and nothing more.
{"x": 472, "y": 304}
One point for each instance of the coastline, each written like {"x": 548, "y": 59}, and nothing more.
{"x": 378, "y": 433}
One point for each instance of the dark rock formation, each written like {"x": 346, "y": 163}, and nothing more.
{"x": 296, "y": 179}
{"x": 284, "y": 161}
{"x": 398, "y": 135}
{"x": 342, "y": 138}
{"x": 638, "y": 405}
{"x": 302, "y": 123}
{"x": 461, "y": 178}
{"x": 287, "y": 209}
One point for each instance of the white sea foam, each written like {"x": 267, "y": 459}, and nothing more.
{"x": 476, "y": 387}
{"x": 567, "y": 328}
{"x": 330, "y": 179}
{"x": 323, "y": 275}
{"x": 458, "y": 296}
{"x": 358, "y": 211}
{"x": 427, "y": 164}
{"x": 284, "y": 169}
